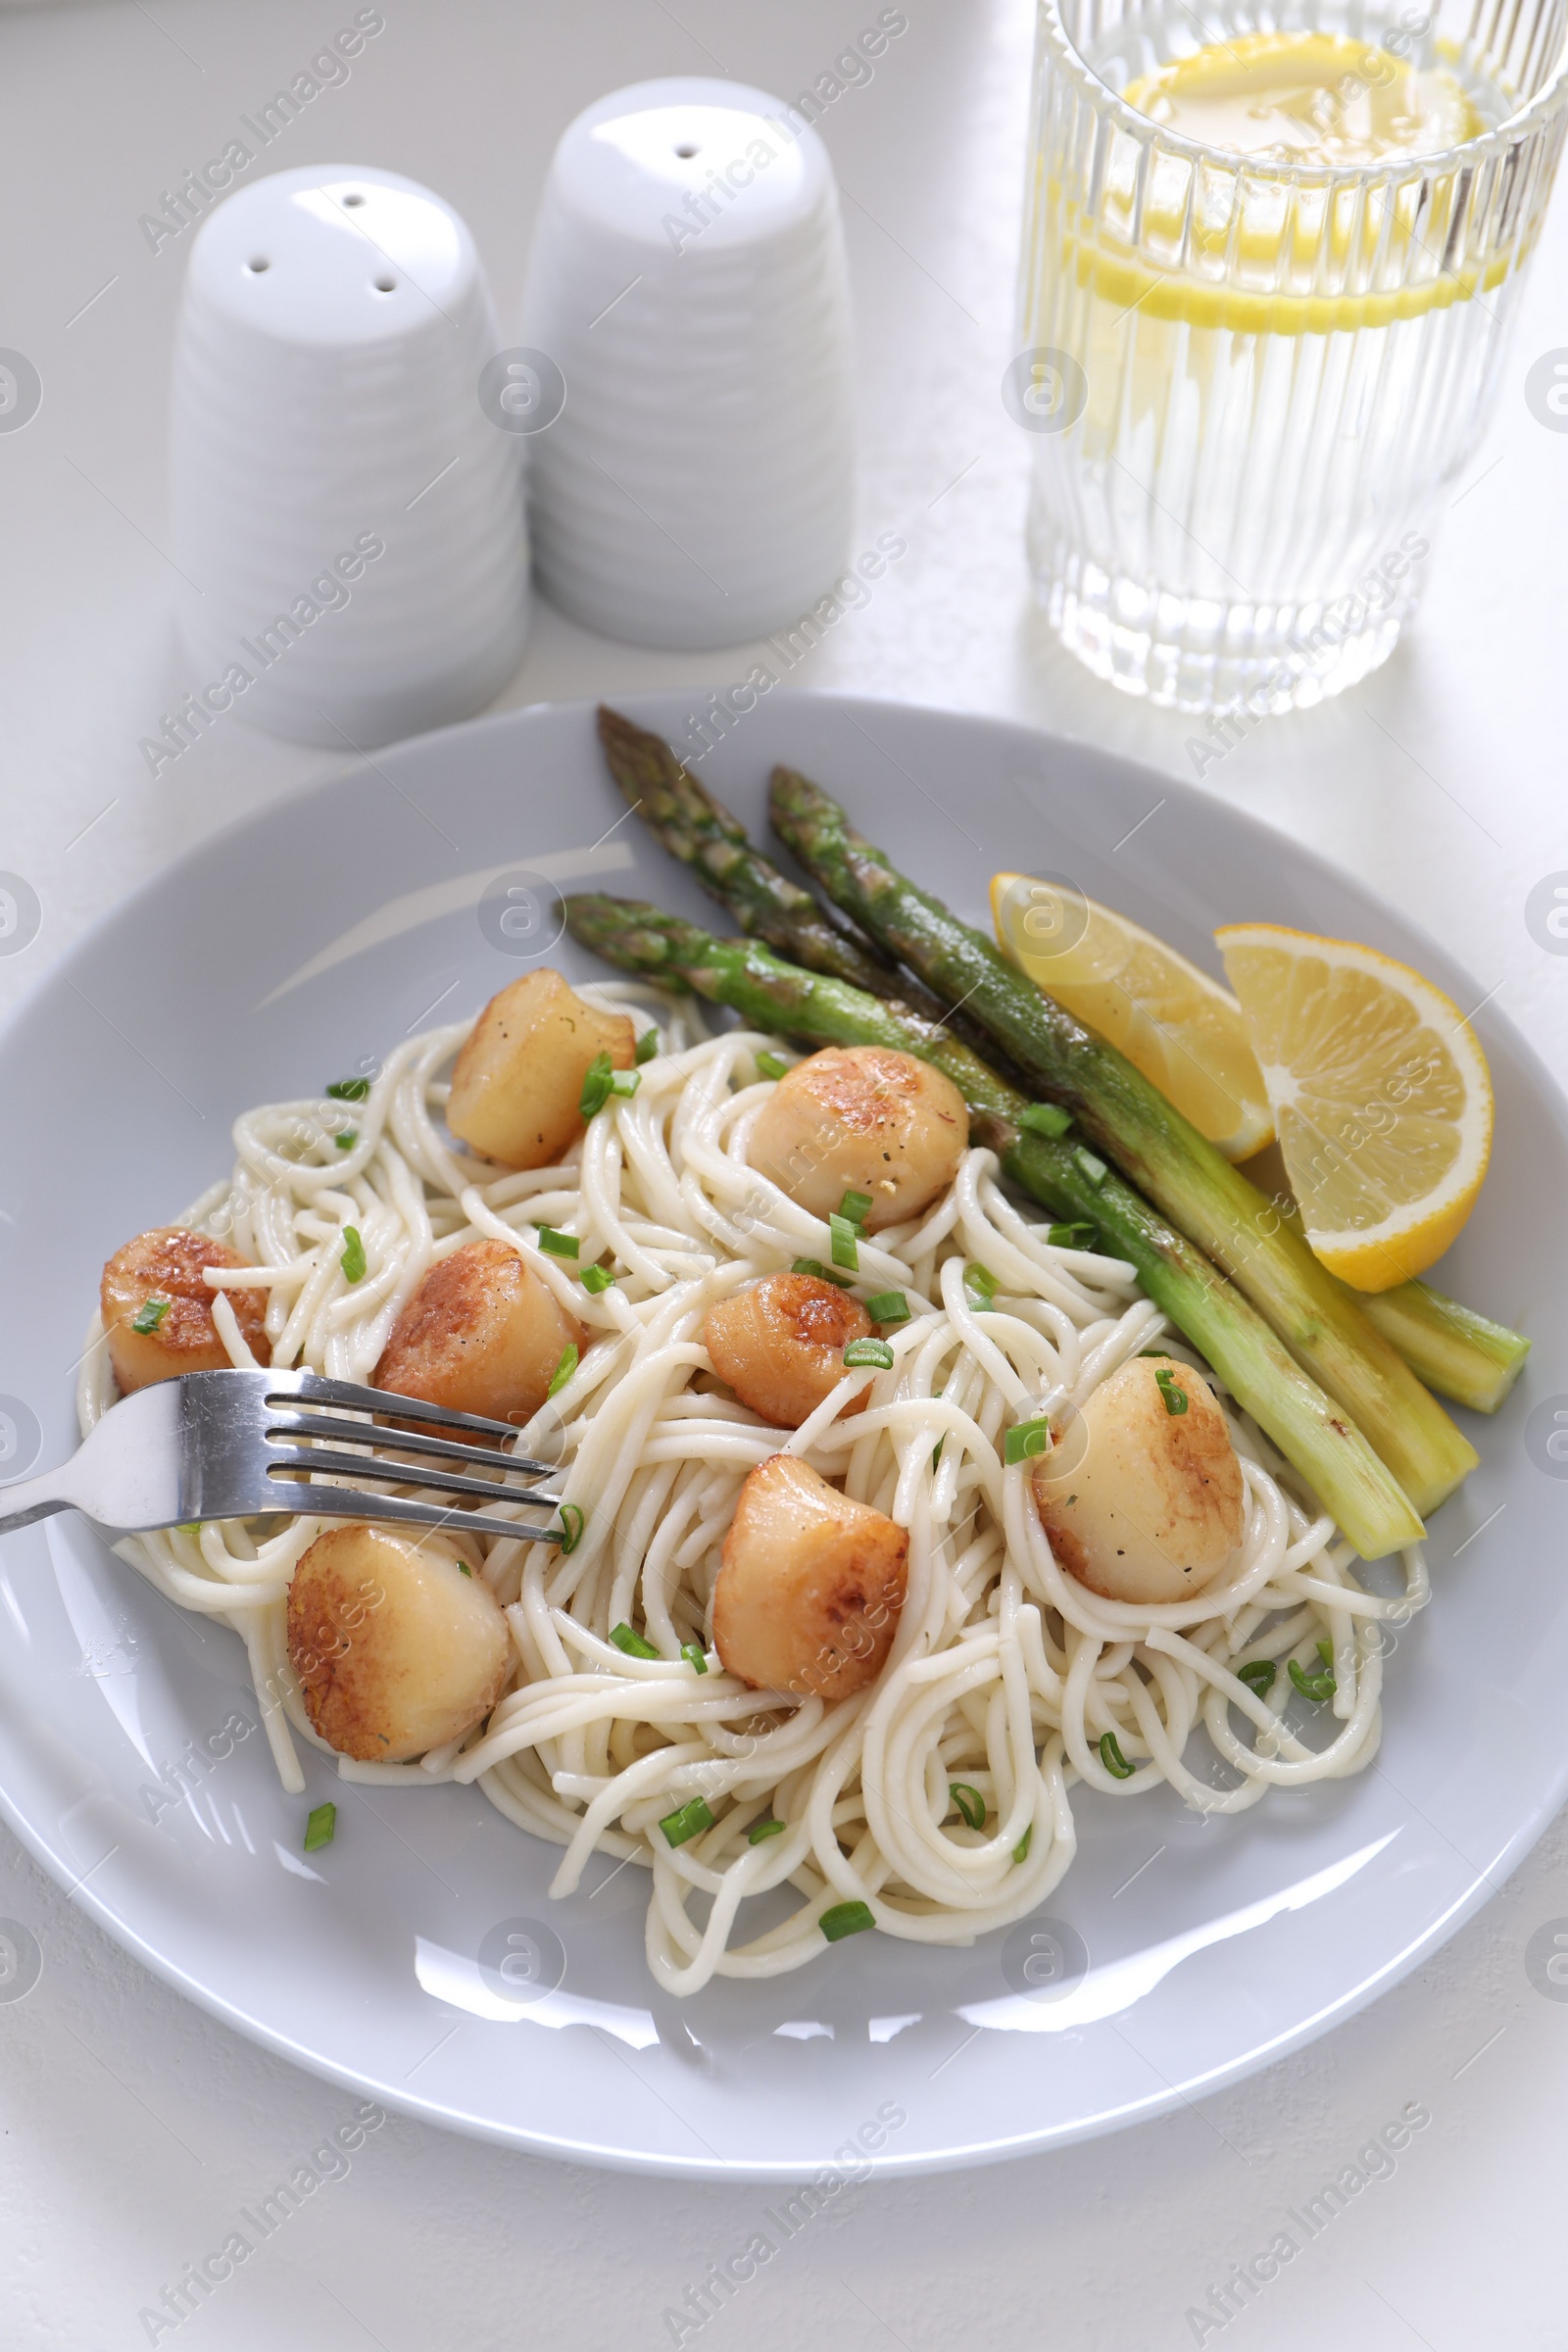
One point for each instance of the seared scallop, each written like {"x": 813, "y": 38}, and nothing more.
{"x": 397, "y": 1644}
{"x": 1142, "y": 1500}
{"x": 779, "y": 1344}
{"x": 865, "y": 1119}
{"x": 158, "y": 1312}
{"x": 809, "y": 1586}
{"x": 517, "y": 1084}
{"x": 481, "y": 1334}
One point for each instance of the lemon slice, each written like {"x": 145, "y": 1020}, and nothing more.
{"x": 1380, "y": 1093}
{"x": 1172, "y": 1021}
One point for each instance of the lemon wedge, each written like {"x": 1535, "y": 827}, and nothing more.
{"x": 1172, "y": 1021}
{"x": 1380, "y": 1093}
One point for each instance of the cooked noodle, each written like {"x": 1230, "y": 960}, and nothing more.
{"x": 1004, "y": 1673}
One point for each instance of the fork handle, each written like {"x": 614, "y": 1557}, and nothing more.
{"x": 36, "y": 1497}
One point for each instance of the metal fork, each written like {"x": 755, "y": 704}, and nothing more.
{"x": 231, "y": 1445}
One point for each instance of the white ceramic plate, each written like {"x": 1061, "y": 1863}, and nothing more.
{"x": 1186, "y": 1953}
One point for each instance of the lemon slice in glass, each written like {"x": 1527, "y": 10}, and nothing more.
{"x": 1172, "y": 1021}
{"x": 1380, "y": 1093}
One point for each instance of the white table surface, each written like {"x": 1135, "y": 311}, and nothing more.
{"x": 135, "y": 2127}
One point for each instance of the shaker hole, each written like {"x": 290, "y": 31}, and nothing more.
{"x": 386, "y": 286}
{"x": 354, "y": 198}
{"x": 258, "y": 266}
{"x": 686, "y": 152}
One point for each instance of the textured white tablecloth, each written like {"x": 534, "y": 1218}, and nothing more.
{"x": 136, "y": 2129}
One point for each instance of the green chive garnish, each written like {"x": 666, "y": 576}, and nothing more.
{"x": 764, "y": 1828}
{"x": 1094, "y": 1171}
{"x": 1026, "y": 1439}
{"x": 979, "y": 1288}
{"x": 689, "y": 1822}
{"x": 348, "y": 1090}
{"x": 695, "y": 1656}
{"x": 846, "y": 1919}
{"x": 596, "y": 1279}
{"x": 563, "y": 1371}
{"x": 571, "y": 1526}
{"x": 1072, "y": 1237}
{"x": 1113, "y": 1760}
{"x": 857, "y": 1207}
{"x": 819, "y": 1272}
{"x": 354, "y": 1260}
{"x": 846, "y": 1235}
{"x": 347, "y": 1140}
{"x": 969, "y": 1801}
{"x": 596, "y": 1086}
{"x": 1045, "y": 1118}
{"x": 626, "y": 1637}
{"x": 1171, "y": 1390}
{"x": 770, "y": 1065}
{"x": 646, "y": 1047}
{"x": 150, "y": 1314}
{"x": 1319, "y": 1686}
{"x": 1020, "y": 1852}
{"x": 1258, "y": 1675}
{"x": 320, "y": 1827}
{"x": 556, "y": 1244}
{"x": 888, "y": 1306}
{"x": 861, "y": 1352}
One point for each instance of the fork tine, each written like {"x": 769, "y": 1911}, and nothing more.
{"x": 399, "y": 1440}
{"x": 314, "y": 1388}
{"x": 322, "y": 1459}
{"x": 341, "y": 1502}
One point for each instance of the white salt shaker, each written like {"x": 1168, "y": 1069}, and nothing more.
{"x": 688, "y": 282}
{"x": 349, "y": 522}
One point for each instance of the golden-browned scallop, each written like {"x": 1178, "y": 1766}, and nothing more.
{"x": 779, "y": 1344}
{"x": 481, "y": 1334}
{"x": 1144, "y": 1500}
{"x": 517, "y": 1084}
{"x": 861, "y": 1119}
{"x": 398, "y": 1647}
{"x": 155, "y": 1281}
{"x": 809, "y": 1586}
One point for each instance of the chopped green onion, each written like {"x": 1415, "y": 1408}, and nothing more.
{"x": 845, "y": 1237}
{"x": 1092, "y": 1170}
{"x": 819, "y": 1272}
{"x": 320, "y": 1827}
{"x": 626, "y": 1637}
{"x": 764, "y": 1828}
{"x": 563, "y": 1372}
{"x": 1258, "y": 1675}
{"x": 1171, "y": 1390}
{"x": 1020, "y": 1852}
{"x": 857, "y": 1207}
{"x": 596, "y": 1279}
{"x": 354, "y": 1260}
{"x": 625, "y": 1082}
{"x": 348, "y": 1090}
{"x": 888, "y": 1306}
{"x": 695, "y": 1656}
{"x": 979, "y": 1288}
{"x": 969, "y": 1801}
{"x": 846, "y": 1919}
{"x": 556, "y": 1244}
{"x": 689, "y": 1821}
{"x": 1319, "y": 1686}
{"x": 936, "y": 1452}
{"x": 571, "y": 1526}
{"x": 646, "y": 1047}
{"x": 771, "y": 1065}
{"x": 1026, "y": 1439}
{"x": 347, "y": 1140}
{"x": 1113, "y": 1760}
{"x": 1072, "y": 1237}
{"x": 150, "y": 1314}
{"x": 464, "y": 1569}
{"x": 596, "y": 1086}
{"x": 1045, "y": 1118}
{"x": 861, "y": 1352}
{"x": 1325, "y": 1650}
{"x": 190, "y": 1527}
